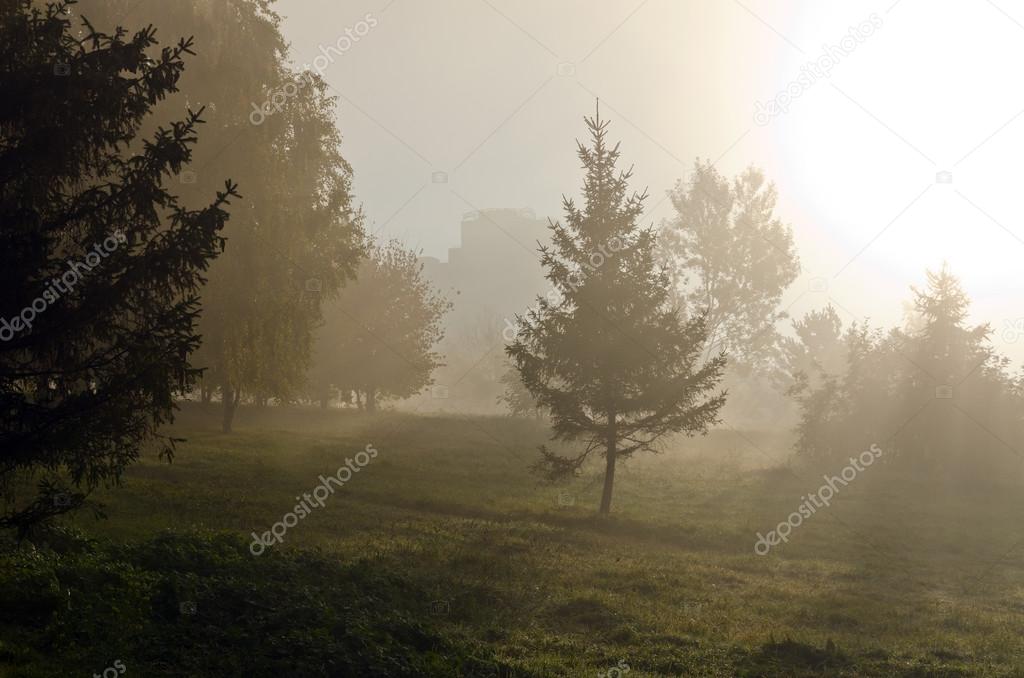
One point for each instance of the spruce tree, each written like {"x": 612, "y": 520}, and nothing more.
{"x": 612, "y": 360}
{"x": 952, "y": 366}
{"x": 101, "y": 266}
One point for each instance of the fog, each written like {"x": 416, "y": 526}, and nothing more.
{"x": 511, "y": 339}
{"x": 473, "y": 89}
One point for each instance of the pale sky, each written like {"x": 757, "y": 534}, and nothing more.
{"x": 492, "y": 92}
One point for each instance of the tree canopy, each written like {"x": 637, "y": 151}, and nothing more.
{"x": 732, "y": 257}
{"x": 935, "y": 393}
{"x": 297, "y": 237}
{"x": 102, "y": 265}
{"x": 379, "y": 334}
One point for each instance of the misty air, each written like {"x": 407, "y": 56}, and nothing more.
{"x": 511, "y": 339}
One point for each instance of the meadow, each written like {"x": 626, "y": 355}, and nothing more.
{"x": 445, "y": 556}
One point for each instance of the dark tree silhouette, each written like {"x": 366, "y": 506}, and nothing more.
{"x": 297, "y": 237}
{"x": 101, "y": 265}
{"x": 612, "y": 360}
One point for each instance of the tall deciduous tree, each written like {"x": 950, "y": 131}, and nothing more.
{"x": 734, "y": 258}
{"x": 297, "y": 237}
{"x": 297, "y": 247}
{"x": 612, "y": 360}
{"x": 101, "y": 266}
{"x": 379, "y": 335}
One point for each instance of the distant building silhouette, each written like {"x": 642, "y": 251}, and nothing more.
{"x": 495, "y": 272}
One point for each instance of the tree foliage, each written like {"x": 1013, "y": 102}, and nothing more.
{"x": 379, "y": 335}
{"x": 102, "y": 264}
{"x": 732, "y": 257}
{"x": 817, "y": 351}
{"x": 934, "y": 393}
{"x": 516, "y": 398}
{"x": 612, "y": 360}
{"x": 297, "y": 238}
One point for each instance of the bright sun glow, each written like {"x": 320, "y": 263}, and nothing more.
{"x": 866, "y": 146}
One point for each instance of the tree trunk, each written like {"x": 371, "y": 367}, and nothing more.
{"x": 371, "y": 399}
{"x": 229, "y": 400}
{"x": 609, "y": 469}
{"x": 323, "y": 403}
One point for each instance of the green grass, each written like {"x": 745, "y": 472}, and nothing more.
{"x": 445, "y": 556}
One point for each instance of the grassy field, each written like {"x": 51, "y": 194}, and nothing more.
{"x": 445, "y": 556}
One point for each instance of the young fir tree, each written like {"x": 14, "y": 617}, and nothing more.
{"x": 613, "y": 361}
{"x": 953, "y": 368}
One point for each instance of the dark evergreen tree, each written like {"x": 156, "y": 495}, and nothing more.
{"x": 612, "y": 360}
{"x": 101, "y": 265}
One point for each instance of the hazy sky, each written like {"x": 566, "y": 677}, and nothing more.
{"x": 492, "y": 92}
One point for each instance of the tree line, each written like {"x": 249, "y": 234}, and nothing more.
{"x": 123, "y": 296}
{"x": 108, "y": 141}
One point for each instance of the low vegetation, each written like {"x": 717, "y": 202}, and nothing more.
{"x": 444, "y": 557}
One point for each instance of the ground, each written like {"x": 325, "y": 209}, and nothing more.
{"x": 445, "y": 556}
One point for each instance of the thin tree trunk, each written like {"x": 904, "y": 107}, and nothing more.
{"x": 229, "y": 400}
{"x": 371, "y": 399}
{"x": 609, "y": 469}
